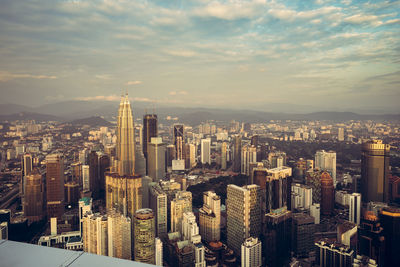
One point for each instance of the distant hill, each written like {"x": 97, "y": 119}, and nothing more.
{"x": 29, "y": 116}
{"x": 76, "y": 110}
{"x": 92, "y": 121}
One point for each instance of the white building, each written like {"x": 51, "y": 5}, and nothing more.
{"x": 326, "y": 161}
{"x": 85, "y": 178}
{"x": 251, "y": 253}
{"x": 315, "y": 211}
{"x": 249, "y": 155}
{"x": 159, "y": 252}
{"x": 301, "y": 196}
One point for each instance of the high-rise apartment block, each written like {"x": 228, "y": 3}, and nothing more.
{"x": 159, "y": 204}
{"x": 206, "y": 151}
{"x": 277, "y": 159}
{"x": 34, "y": 197}
{"x": 375, "y": 171}
{"x": 243, "y": 214}
{"x": 303, "y": 229}
{"x": 326, "y": 161}
{"x": 248, "y": 155}
{"x": 237, "y": 153}
{"x": 301, "y": 196}
{"x": 55, "y": 185}
{"x": 224, "y": 151}
{"x": 181, "y": 204}
{"x": 251, "y": 253}
{"x": 210, "y": 217}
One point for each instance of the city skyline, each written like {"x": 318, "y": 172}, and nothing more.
{"x": 325, "y": 54}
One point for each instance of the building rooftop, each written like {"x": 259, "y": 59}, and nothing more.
{"x": 34, "y": 255}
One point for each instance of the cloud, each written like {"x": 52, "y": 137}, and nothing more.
{"x": 231, "y": 10}
{"x": 174, "y": 93}
{"x": 7, "y": 76}
{"x": 103, "y": 76}
{"x": 133, "y": 83}
{"x": 181, "y": 53}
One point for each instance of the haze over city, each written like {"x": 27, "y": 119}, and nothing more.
{"x": 314, "y": 55}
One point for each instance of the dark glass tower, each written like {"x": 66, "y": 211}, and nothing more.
{"x": 149, "y": 130}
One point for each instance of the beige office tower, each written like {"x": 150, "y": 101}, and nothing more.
{"x": 34, "y": 204}
{"x": 95, "y": 233}
{"x": 249, "y": 155}
{"x": 159, "y": 252}
{"x": 158, "y": 203}
{"x": 210, "y": 217}
{"x": 224, "y": 148}
{"x": 243, "y": 214}
{"x": 156, "y": 159}
{"x": 181, "y": 204}
{"x": 144, "y": 240}
{"x": 119, "y": 236}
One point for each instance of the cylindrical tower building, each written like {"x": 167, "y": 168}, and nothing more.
{"x": 144, "y": 240}
{"x": 374, "y": 171}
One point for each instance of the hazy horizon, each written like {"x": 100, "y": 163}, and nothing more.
{"x": 309, "y": 55}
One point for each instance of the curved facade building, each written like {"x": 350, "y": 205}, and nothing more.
{"x": 374, "y": 171}
{"x": 327, "y": 194}
{"x": 144, "y": 240}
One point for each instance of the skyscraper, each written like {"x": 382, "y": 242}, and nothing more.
{"x": 326, "y": 161}
{"x": 355, "y": 208}
{"x": 205, "y": 151}
{"x": 210, "y": 217}
{"x": 34, "y": 199}
{"x": 123, "y": 189}
{"x": 327, "y": 194}
{"x": 224, "y": 148}
{"x": 119, "y": 235}
{"x": 237, "y": 149}
{"x": 95, "y": 234}
{"x": 159, "y": 252}
{"x": 251, "y": 253}
{"x": 181, "y": 204}
{"x": 243, "y": 214}
{"x": 374, "y": 171}
{"x": 156, "y": 159}
{"x": 94, "y": 180}
{"x": 125, "y": 138}
{"x": 149, "y": 130}
{"x": 158, "y": 203}
{"x": 278, "y": 187}
{"x": 55, "y": 185}
{"x": 144, "y": 247}
{"x": 390, "y": 219}
{"x": 248, "y": 155}
{"x": 178, "y": 141}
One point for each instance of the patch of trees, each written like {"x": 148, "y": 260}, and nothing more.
{"x": 218, "y": 185}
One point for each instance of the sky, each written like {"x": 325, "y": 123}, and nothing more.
{"x": 331, "y": 55}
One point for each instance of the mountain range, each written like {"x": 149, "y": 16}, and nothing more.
{"x": 69, "y": 111}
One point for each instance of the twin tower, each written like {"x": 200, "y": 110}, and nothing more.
{"x": 123, "y": 185}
